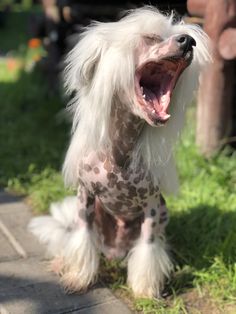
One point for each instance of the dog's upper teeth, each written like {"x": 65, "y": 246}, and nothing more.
{"x": 141, "y": 88}
{"x": 153, "y": 111}
{"x": 144, "y": 96}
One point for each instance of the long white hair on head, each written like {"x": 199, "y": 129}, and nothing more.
{"x": 101, "y": 69}
{"x": 156, "y": 144}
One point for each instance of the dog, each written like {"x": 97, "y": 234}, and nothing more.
{"x": 132, "y": 81}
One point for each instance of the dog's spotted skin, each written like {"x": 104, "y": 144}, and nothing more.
{"x": 131, "y": 93}
{"x": 120, "y": 203}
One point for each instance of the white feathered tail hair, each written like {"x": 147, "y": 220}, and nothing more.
{"x": 101, "y": 69}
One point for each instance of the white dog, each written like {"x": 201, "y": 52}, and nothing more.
{"x": 133, "y": 79}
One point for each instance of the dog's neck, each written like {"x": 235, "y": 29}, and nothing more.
{"x": 125, "y": 129}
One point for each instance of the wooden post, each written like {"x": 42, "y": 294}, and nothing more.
{"x": 196, "y": 7}
{"x": 214, "y": 111}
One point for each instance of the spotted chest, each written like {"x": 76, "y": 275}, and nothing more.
{"x": 122, "y": 192}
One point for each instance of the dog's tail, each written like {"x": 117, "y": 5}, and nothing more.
{"x": 75, "y": 247}
{"x": 54, "y": 230}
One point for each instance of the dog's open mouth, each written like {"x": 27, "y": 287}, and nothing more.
{"x": 155, "y": 82}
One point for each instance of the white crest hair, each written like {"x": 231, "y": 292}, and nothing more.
{"x": 101, "y": 69}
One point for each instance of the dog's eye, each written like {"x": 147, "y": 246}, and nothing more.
{"x": 152, "y": 39}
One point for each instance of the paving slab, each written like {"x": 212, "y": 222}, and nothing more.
{"x": 26, "y": 287}
{"x": 16, "y": 216}
{"x": 6, "y": 250}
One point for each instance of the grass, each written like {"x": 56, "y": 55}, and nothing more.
{"x": 202, "y": 229}
{"x": 32, "y": 137}
{"x": 33, "y": 130}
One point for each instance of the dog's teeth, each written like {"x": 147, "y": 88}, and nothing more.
{"x": 141, "y": 88}
{"x": 153, "y": 111}
{"x": 144, "y": 96}
{"x": 163, "y": 98}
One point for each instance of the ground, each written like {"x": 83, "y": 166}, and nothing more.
{"x": 34, "y": 134}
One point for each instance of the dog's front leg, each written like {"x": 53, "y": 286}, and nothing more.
{"x": 148, "y": 262}
{"x": 81, "y": 258}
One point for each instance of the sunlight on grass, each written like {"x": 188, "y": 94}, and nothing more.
{"x": 219, "y": 280}
{"x": 148, "y": 306}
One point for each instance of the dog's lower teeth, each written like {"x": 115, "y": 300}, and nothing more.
{"x": 163, "y": 98}
{"x": 153, "y": 111}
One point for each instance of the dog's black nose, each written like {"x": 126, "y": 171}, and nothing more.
{"x": 185, "y": 42}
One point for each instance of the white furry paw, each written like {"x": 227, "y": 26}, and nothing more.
{"x": 81, "y": 261}
{"x": 148, "y": 265}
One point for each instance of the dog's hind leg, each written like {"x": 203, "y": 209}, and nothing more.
{"x": 148, "y": 260}
{"x": 81, "y": 256}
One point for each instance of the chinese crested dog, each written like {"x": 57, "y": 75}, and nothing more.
{"x": 133, "y": 79}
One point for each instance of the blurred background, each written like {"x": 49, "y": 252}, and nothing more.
{"x": 34, "y": 133}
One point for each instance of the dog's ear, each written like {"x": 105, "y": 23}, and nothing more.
{"x": 83, "y": 59}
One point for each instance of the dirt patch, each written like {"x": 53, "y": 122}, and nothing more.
{"x": 205, "y": 304}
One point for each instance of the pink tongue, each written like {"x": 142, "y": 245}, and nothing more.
{"x": 162, "y": 103}
{"x": 162, "y": 100}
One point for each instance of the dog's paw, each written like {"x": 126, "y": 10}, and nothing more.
{"x": 148, "y": 266}
{"x": 56, "y": 265}
{"x": 81, "y": 261}
{"x": 75, "y": 281}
